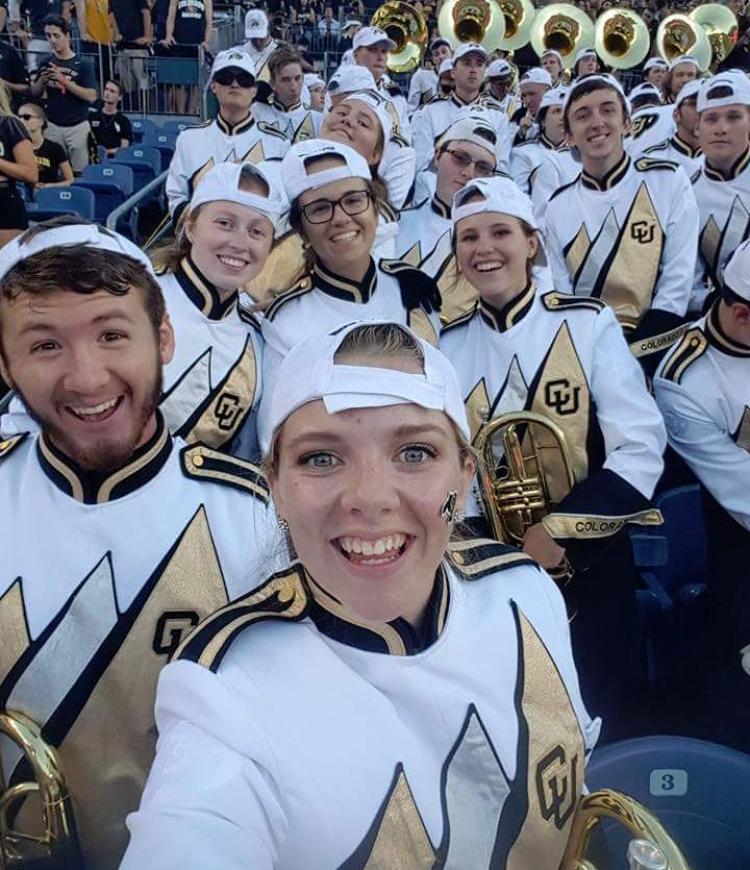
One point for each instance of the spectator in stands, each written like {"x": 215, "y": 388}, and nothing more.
{"x": 111, "y": 128}
{"x": 3, "y": 14}
{"x": 130, "y": 21}
{"x": 54, "y": 167}
{"x": 329, "y": 28}
{"x": 189, "y": 25}
{"x": 29, "y": 28}
{"x": 305, "y": 19}
{"x": 12, "y": 71}
{"x": 17, "y": 163}
{"x": 348, "y": 31}
{"x": 69, "y": 82}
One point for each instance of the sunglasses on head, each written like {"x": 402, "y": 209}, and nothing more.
{"x": 227, "y": 76}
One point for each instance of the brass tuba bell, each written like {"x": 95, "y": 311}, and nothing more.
{"x": 564, "y": 28}
{"x": 519, "y": 17}
{"x": 641, "y": 822}
{"x": 721, "y": 27}
{"x": 621, "y": 38}
{"x": 678, "y": 34}
{"x": 58, "y": 843}
{"x": 407, "y": 27}
{"x": 479, "y": 21}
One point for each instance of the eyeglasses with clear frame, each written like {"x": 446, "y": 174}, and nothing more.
{"x": 462, "y": 159}
{"x": 321, "y": 211}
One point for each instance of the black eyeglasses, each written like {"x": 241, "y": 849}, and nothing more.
{"x": 462, "y": 159}
{"x": 227, "y": 76}
{"x": 321, "y": 210}
{"x": 26, "y": 117}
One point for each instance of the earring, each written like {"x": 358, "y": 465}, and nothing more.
{"x": 283, "y": 525}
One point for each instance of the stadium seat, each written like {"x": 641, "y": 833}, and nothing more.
{"x": 176, "y": 127}
{"x": 53, "y": 201}
{"x": 698, "y": 791}
{"x": 164, "y": 143}
{"x": 144, "y": 160}
{"x": 112, "y": 183}
{"x": 142, "y": 127}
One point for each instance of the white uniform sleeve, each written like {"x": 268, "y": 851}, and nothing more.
{"x": 546, "y": 182}
{"x": 521, "y": 166}
{"x": 423, "y": 138}
{"x": 721, "y": 465}
{"x": 397, "y": 171}
{"x": 177, "y": 186}
{"x": 556, "y": 258}
{"x": 680, "y": 250}
{"x": 415, "y": 92}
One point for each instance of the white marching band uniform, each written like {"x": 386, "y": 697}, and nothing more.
{"x": 677, "y": 151}
{"x": 297, "y": 122}
{"x": 423, "y": 86}
{"x": 92, "y": 609}
{"x": 650, "y": 126}
{"x": 420, "y": 227}
{"x": 472, "y": 773}
{"x": 557, "y": 169}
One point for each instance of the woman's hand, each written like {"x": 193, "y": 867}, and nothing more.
{"x": 542, "y": 547}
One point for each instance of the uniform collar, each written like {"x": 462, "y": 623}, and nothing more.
{"x": 547, "y": 143}
{"x": 510, "y": 314}
{"x": 397, "y": 637}
{"x": 440, "y": 208}
{"x": 457, "y": 101}
{"x": 235, "y": 130}
{"x": 719, "y": 339}
{"x": 93, "y": 487}
{"x": 684, "y": 148}
{"x": 615, "y": 174}
{"x": 286, "y": 109}
{"x": 739, "y": 165}
{"x": 342, "y": 288}
{"x": 201, "y": 292}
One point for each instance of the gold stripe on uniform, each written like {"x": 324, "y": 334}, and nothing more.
{"x": 596, "y": 526}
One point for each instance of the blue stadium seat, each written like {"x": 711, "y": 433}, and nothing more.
{"x": 698, "y": 790}
{"x": 53, "y": 201}
{"x": 176, "y": 127}
{"x": 112, "y": 183}
{"x": 144, "y": 160}
{"x": 164, "y": 142}
{"x": 142, "y": 127}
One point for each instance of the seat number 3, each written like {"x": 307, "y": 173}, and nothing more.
{"x": 668, "y": 783}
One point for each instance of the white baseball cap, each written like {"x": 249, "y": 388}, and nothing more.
{"x": 654, "y": 61}
{"x": 684, "y": 58}
{"x": 724, "y": 89}
{"x": 368, "y": 36}
{"x": 474, "y": 128}
{"x": 256, "y": 24}
{"x": 90, "y": 235}
{"x": 312, "y": 81}
{"x": 736, "y": 275}
{"x": 351, "y": 22}
{"x": 309, "y": 373}
{"x": 605, "y": 78}
{"x": 347, "y": 58}
{"x": 552, "y": 51}
{"x": 499, "y": 69}
{"x": 536, "y": 76}
{"x": 446, "y": 66}
{"x": 554, "y": 97}
{"x": 233, "y": 58}
{"x": 294, "y": 166}
{"x": 222, "y": 183}
{"x": 437, "y": 42}
{"x": 349, "y": 78}
{"x": 584, "y": 52}
{"x": 464, "y": 48}
{"x": 375, "y": 102}
{"x": 687, "y": 91}
{"x": 644, "y": 89}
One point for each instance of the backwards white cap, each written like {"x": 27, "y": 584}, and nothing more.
{"x": 536, "y": 76}
{"x": 687, "y": 91}
{"x": 368, "y": 36}
{"x": 294, "y": 166}
{"x": 312, "y": 80}
{"x": 554, "y": 97}
{"x": 222, "y": 183}
{"x": 498, "y": 69}
{"x": 309, "y": 373}
{"x": 233, "y": 58}
{"x": 90, "y": 235}
{"x": 604, "y": 78}
{"x": 684, "y": 58}
{"x": 654, "y": 61}
{"x": 375, "y": 102}
{"x": 736, "y": 276}
{"x": 724, "y": 89}
{"x": 472, "y": 127}
{"x": 584, "y": 52}
{"x": 446, "y": 66}
{"x": 349, "y": 78}
{"x": 256, "y": 24}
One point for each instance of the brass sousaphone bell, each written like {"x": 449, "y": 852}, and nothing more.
{"x": 479, "y": 21}
{"x": 519, "y": 18}
{"x": 678, "y": 34}
{"x": 721, "y": 26}
{"x": 564, "y": 28}
{"x": 407, "y": 27}
{"x": 621, "y": 38}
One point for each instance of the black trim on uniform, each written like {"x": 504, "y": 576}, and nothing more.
{"x": 440, "y": 208}
{"x": 235, "y": 130}
{"x": 201, "y": 292}
{"x": 343, "y": 288}
{"x": 609, "y": 179}
{"x": 739, "y": 165}
{"x": 719, "y": 339}
{"x": 511, "y": 313}
{"x": 683, "y": 147}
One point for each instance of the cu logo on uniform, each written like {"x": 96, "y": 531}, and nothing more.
{"x": 226, "y": 410}
{"x": 557, "y": 786}
{"x": 561, "y": 396}
{"x": 642, "y": 232}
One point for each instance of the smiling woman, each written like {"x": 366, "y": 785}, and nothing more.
{"x": 429, "y": 704}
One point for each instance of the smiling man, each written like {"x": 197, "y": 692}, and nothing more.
{"x": 116, "y": 538}
{"x": 624, "y": 231}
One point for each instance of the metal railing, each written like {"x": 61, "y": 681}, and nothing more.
{"x": 123, "y": 211}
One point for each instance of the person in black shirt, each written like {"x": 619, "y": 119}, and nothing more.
{"x": 54, "y": 167}
{"x": 132, "y": 31}
{"x": 33, "y": 13}
{"x": 188, "y": 26}
{"x": 12, "y": 71}
{"x": 69, "y": 81}
{"x": 17, "y": 163}
{"x": 111, "y": 128}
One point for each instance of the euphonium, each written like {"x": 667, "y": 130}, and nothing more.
{"x": 641, "y": 823}
{"x": 407, "y": 27}
{"x": 57, "y": 845}
{"x": 525, "y": 469}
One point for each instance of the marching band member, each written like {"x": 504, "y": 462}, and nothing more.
{"x": 334, "y": 207}
{"x": 643, "y": 96}
{"x": 371, "y": 46}
{"x": 260, "y": 44}
{"x": 533, "y": 86}
{"x": 565, "y": 358}
{"x": 499, "y": 81}
{"x": 445, "y": 79}
{"x": 348, "y": 79}
{"x": 143, "y": 535}
{"x": 286, "y": 112}
{"x": 552, "y": 61}
{"x": 683, "y": 148}
{"x": 651, "y": 120}
{"x": 316, "y": 88}
{"x": 429, "y": 703}
{"x": 655, "y": 71}
{"x": 214, "y": 382}
{"x": 682, "y": 70}
{"x": 234, "y": 136}
{"x": 703, "y": 390}
{"x": 585, "y": 63}
{"x": 722, "y": 187}
{"x": 423, "y": 85}
{"x": 625, "y": 231}
{"x": 527, "y": 156}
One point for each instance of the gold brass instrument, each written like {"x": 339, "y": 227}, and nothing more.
{"x": 524, "y": 471}
{"x": 640, "y": 821}
{"x": 678, "y": 34}
{"x": 563, "y": 27}
{"x": 721, "y": 27}
{"x": 519, "y": 17}
{"x": 58, "y": 842}
{"x": 621, "y": 38}
{"x": 407, "y": 27}
{"x": 479, "y": 21}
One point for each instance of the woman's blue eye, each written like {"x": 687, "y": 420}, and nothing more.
{"x": 318, "y": 460}
{"x": 416, "y": 454}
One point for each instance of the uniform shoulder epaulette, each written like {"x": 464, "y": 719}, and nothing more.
{"x": 271, "y": 130}
{"x": 415, "y": 206}
{"x": 690, "y": 348}
{"x": 8, "y": 445}
{"x": 563, "y": 188}
{"x": 399, "y": 140}
{"x": 283, "y": 596}
{"x": 696, "y": 175}
{"x": 197, "y": 126}
{"x": 304, "y": 285}
{"x": 418, "y": 289}
{"x": 459, "y": 320}
{"x": 490, "y": 103}
{"x": 248, "y": 317}
{"x": 565, "y": 301}
{"x": 203, "y": 463}
{"x": 660, "y": 146}
{"x": 438, "y": 98}
{"x": 388, "y": 211}
{"x": 478, "y": 557}
{"x": 646, "y": 164}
